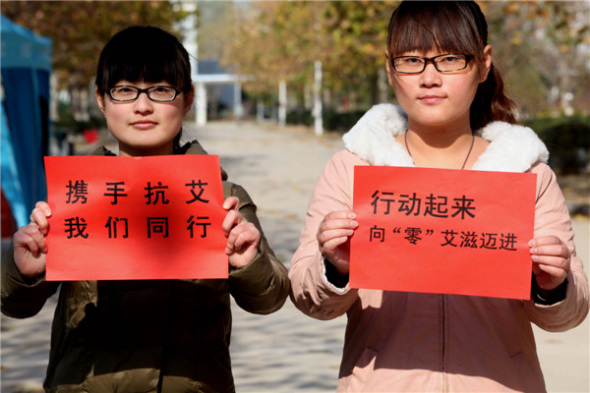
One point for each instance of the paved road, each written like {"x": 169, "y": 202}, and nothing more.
{"x": 285, "y": 351}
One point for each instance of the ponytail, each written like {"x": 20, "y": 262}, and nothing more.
{"x": 491, "y": 104}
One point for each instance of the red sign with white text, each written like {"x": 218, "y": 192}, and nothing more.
{"x": 443, "y": 231}
{"x": 125, "y": 218}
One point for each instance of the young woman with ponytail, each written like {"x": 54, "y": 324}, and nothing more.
{"x": 452, "y": 114}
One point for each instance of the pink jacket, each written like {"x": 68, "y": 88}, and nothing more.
{"x": 415, "y": 342}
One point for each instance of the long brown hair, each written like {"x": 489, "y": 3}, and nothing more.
{"x": 453, "y": 26}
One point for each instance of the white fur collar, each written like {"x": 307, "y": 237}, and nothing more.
{"x": 512, "y": 148}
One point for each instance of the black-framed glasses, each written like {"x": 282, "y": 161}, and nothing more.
{"x": 449, "y": 62}
{"x": 159, "y": 93}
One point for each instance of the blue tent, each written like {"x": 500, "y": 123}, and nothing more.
{"x": 24, "y": 127}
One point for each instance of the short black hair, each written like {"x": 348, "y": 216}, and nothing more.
{"x": 144, "y": 53}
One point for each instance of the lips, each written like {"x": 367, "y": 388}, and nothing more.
{"x": 144, "y": 124}
{"x": 431, "y": 99}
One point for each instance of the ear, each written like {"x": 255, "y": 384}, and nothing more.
{"x": 487, "y": 63}
{"x": 388, "y": 68}
{"x": 100, "y": 101}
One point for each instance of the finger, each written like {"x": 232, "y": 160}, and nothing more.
{"x": 231, "y": 238}
{"x": 41, "y": 210}
{"x": 242, "y": 236}
{"x": 245, "y": 237}
{"x": 343, "y": 214}
{"x": 326, "y": 236}
{"x": 39, "y": 217}
{"x": 332, "y": 245}
{"x": 231, "y": 202}
{"x": 332, "y": 251}
{"x": 31, "y": 238}
{"x": 337, "y": 224}
{"x": 554, "y": 250}
{"x": 553, "y": 271}
{"x": 44, "y": 206}
{"x": 550, "y": 260}
{"x": 232, "y": 218}
{"x": 545, "y": 241}
{"x": 36, "y": 216}
{"x": 24, "y": 240}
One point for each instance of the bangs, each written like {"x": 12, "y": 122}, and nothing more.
{"x": 139, "y": 65}
{"x": 444, "y": 26}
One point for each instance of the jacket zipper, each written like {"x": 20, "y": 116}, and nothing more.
{"x": 167, "y": 344}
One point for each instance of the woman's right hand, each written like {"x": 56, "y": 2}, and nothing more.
{"x": 334, "y": 238}
{"x": 30, "y": 246}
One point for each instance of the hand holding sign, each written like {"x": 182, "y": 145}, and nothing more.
{"x": 551, "y": 259}
{"x": 242, "y": 236}
{"x": 30, "y": 245}
{"x": 333, "y": 238}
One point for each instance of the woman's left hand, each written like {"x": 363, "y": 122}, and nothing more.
{"x": 242, "y": 236}
{"x": 551, "y": 261}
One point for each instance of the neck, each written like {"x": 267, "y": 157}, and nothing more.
{"x": 440, "y": 136}
{"x": 440, "y": 149}
{"x": 129, "y": 151}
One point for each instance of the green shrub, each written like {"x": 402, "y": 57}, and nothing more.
{"x": 341, "y": 122}
{"x": 568, "y": 142}
{"x": 332, "y": 121}
{"x": 300, "y": 116}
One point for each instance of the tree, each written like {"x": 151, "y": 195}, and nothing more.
{"x": 543, "y": 49}
{"x": 539, "y": 46}
{"x": 358, "y": 31}
{"x": 80, "y": 29}
{"x": 271, "y": 41}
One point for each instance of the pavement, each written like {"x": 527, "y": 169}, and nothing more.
{"x": 284, "y": 352}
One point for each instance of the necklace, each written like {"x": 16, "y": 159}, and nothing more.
{"x": 466, "y": 158}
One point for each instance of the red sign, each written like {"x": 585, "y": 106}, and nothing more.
{"x": 124, "y": 218}
{"x": 443, "y": 231}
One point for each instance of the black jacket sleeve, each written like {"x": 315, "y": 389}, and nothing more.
{"x": 263, "y": 286}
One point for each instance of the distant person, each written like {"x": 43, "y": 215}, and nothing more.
{"x": 455, "y": 116}
{"x": 150, "y": 335}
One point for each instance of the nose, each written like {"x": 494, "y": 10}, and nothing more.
{"x": 143, "y": 104}
{"x": 430, "y": 76}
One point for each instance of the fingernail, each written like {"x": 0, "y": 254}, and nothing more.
{"x": 532, "y": 243}
{"x": 351, "y": 215}
{"x": 354, "y": 224}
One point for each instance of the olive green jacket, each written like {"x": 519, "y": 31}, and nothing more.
{"x": 149, "y": 335}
